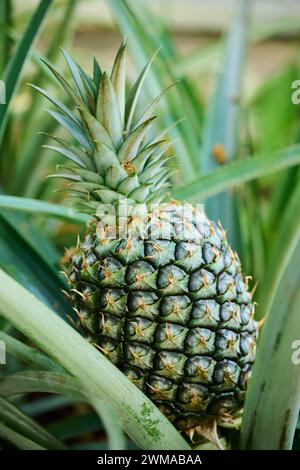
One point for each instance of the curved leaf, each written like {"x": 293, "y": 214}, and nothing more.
{"x": 108, "y": 416}
{"x": 237, "y": 173}
{"x": 222, "y": 123}
{"x": 287, "y": 236}
{"x": 40, "y": 381}
{"x": 19, "y": 422}
{"x": 14, "y": 68}
{"x": 28, "y": 354}
{"x": 26, "y": 264}
{"x": 273, "y": 399}
{"x": 18, "y": 440}
{"x": 34, "y": 206}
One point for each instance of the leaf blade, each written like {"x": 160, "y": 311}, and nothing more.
{"x": 273, "y": 399}
{"x": 19, "y": 422}
{"x": 14, "y": 68}
{"x": 237, "y": 173}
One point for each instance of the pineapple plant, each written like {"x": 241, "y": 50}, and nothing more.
{"x": 155, "y": 284}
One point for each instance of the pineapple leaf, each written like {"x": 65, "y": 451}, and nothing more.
{"x": 143, "y": 41}
{"x": 15, "y": 65}
{"x": 144, "y": 155}
{"x": 40, "y": 381}
{"x": 113, "y": 176}
{"x": 118, "y": 77}
{"x": 135, "y": 93}
{"x": 66, "y": 175}
{"x": 26, "y": 426}
{"x": 237, "y": 173}
{"x": 130, "y": 147}
{"x": 141, "y": 193}
{"x": 104, "y": 156}
{"x": 90, "y": 176}
{"x": 111, "y": 421}
{"x": 97, "y": 74}
{"x": 84, "y": 187}
{"x": 20, "y": 441}
{"x": 83, "y": 156}
{"x": 151, "y": 107}
{"x": 107, "y": 196}
{"x": 75, "y": 130}
{"x": 47, "y": 404}
{"x": 283, "y": 245}
{"x": 97, "y": 132}
{"x": 153, "y": 170}
{"x": 34, "y": 206}
{"x": 57, "y": 103}
{"x": 108, "y": 111}
{"x": 220, "y": 134}
{"x": 23, "y": 259}
{"x": 128, "y": 184}
{"x": 77, "y": 77}
{"x": 273, "y": 399}
{"x": 88, "y": 83}
{"x": 91, "y": 103}
{"x": 76, "y": 99}
{"x": 28, "y": 354}
{"x": 66, "y": 153}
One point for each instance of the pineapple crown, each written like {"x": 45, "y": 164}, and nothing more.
{"x": 110, "y": 159}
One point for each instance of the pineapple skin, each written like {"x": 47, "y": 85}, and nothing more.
{"x": 174, "y": 315}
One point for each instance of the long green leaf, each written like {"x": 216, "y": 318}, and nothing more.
{"x": 14, "y": 68}
{"x": 28, "y": 156}
{"x": 28, "y": 354}
{"x": 139, "y": 416}
{"x": 287, "y": 236}
{"x": 221, "y": 128}
{"x": 5, "y": 42}
{"x": 40, "y": 381}
{"x": 237, "y": 173}
{"x": 33, "y": 236}
{"x": 28, "y": 266}
{"x": 19, "y": 422}
{"x": 273, "y": 399}
{"x": 17, "y": 439}
{"x": 109, "y": 418}
{"x": 22, "y": 155}
{"x": 34, "y": 206}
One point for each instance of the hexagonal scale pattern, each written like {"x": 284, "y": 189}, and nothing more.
{"x": 173, "y": 314}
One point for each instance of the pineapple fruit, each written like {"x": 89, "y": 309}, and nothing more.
{"x": 159, "y": 291}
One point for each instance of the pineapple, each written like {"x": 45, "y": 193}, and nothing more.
{"x": 154, "y": 282}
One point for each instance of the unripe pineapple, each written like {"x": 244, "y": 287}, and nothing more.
{"x": 160, "y": 292}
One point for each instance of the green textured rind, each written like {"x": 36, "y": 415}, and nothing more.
{"x": 173, "y": 314}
